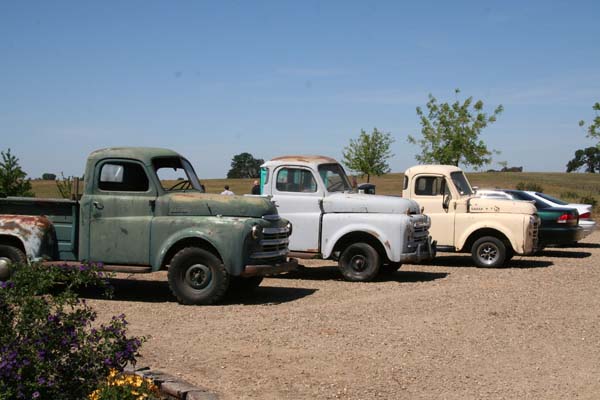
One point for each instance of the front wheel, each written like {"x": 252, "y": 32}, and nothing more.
{"x": 489, "y": 252}
{"x": 359, "y": 262}
{"x": 9, "y": 255}
{"x": 197, "y": 276}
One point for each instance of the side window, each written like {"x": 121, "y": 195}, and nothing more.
{"x": 123, "y": 177}
{"x": 429, "y": 186}
{"x": 405, "y": 184}
{"x": 295, "y": 180}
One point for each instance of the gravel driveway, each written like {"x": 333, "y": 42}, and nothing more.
{"x": 448, "y": 330}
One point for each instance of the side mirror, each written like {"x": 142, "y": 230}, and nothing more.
{"x": 446, "y": 202}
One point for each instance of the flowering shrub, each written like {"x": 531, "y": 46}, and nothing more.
{"x": 120, "y": 386}
{"x": 50, "y": 345}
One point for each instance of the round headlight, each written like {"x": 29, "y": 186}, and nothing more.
{"x": 289, "y": 228}
{"x": 257, "y": 231}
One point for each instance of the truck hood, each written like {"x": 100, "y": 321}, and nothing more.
{"x": 198, "y": 204}
{"x": 368, "y": 203}
{"x": 506, "y": 206}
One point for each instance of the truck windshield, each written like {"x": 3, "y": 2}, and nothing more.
{"x": 176, "y": 173}
{"x": 462, "y": 184}
{"x": 334, "y": 178}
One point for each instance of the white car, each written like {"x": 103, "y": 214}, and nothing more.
{"x": 584, "y": 210}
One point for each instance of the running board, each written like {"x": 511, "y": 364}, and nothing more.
{"x": 131, "y": 269}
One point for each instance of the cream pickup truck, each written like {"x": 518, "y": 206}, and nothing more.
{"x": 492, "y": 230}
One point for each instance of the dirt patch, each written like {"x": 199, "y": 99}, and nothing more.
{"x": 447, "y": 330}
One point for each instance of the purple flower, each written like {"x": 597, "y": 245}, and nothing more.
{"x": 35, "y": 395}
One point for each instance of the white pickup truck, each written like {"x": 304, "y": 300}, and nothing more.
{"x": 364, "y": 233}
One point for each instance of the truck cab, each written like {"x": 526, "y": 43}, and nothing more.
{"x": 492, "y": 230}
{"x": 364, "y": 233}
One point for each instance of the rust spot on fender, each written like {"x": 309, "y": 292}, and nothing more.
{"x": 387, "y": 244}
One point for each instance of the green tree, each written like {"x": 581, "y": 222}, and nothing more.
{"x": 12, "y": 177}
{"x": 244, "y": 165}
{"x": 588, "y": 158}
{"x": 451, "y": 133}
{"x": 368, "y": 154}
{"x": 48, "y": 176}
{"x": 593, "y": 131}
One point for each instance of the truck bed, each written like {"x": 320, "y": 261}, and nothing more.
{"x": 63, "y": 213}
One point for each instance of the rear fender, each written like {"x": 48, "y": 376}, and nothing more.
{"x": 35, "y": 233}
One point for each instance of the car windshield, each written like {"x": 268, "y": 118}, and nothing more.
{"x": 334, "y": 178}
{"x": 552, "y": 199}
{"x": 462, "y": 184}
{"x": 175, "y": 173}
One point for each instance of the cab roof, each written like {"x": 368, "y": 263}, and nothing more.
{"x": 144, "y": 154}
{"x": 431, "y": 169}
{"x": 305, "y": 160}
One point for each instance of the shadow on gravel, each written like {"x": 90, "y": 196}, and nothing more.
{"x": 159, "y": 292}
{"x": 466, "y": 262}
{"x": 563, "y": 254}
{"x": 267, "y": 295}
{"x": 333, "y": 274}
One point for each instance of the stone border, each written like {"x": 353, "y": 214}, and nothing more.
{"x": 171, "y": 386}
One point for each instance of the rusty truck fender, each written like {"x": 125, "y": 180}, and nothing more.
{"x": 33, "y": 234}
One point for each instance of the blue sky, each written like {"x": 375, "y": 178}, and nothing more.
{"x": 214, "y": 79}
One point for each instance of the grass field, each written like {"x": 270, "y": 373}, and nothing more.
{"x": 569, "y": 187}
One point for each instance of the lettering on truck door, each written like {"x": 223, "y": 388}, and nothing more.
{"x": 121, "y": 213}
{"x": 297, "y": 196}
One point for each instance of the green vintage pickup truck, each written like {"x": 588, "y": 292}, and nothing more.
{"x": 130, "y": 220}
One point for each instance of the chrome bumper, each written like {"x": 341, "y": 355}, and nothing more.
{"x": 423, "y": 251}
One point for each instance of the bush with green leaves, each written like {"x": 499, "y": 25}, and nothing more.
{"x": 51, "y": 346}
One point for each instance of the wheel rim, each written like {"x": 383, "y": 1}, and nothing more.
{"x": 359, "y": 263}
{"x": 488, "y": 253}
{"x": 5, "y": 268}
{"x": 198, "y": 276}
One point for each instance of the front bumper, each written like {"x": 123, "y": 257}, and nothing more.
{"x": 422, "y": 252}
{"x": 270, "y": 269}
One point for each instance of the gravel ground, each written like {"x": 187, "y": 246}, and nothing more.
{"x": 448, "y": 330}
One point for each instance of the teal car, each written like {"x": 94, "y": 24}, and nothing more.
{"x": 560, "y": 225}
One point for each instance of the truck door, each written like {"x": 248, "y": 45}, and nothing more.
{"x": 121, "y": 211}
{"x": 429, "y": 191}
{"x": 297, "y": 197}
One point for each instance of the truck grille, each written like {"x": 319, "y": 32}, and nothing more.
{"x": 274, "y": 244}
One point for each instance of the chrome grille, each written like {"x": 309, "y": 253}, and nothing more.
{"x": 273, "y": 244}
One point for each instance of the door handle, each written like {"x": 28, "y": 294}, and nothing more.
{"x": 152, "y": 204}
{"x": 98, "y": 205}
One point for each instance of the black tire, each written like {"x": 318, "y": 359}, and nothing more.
{"x": 197, "y": 276}
{"x": 390, "y": 267}
{"x": 359, "y": 262}
{"x": 240, "y": 284}
{"x": 510, "y": 253}
{"x": 489, "y": 252}
{"x": 10, "y": 255}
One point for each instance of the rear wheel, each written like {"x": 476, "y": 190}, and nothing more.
{"x": 489, "y": 252}
{"x": 359, "y": 262}
{"x": 197, "y": 276}
{"x": 10, "y": 255}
